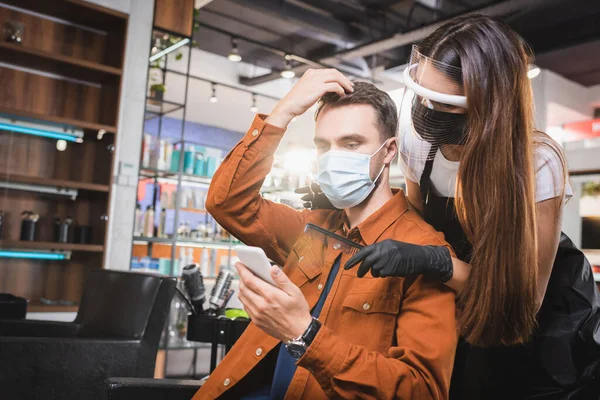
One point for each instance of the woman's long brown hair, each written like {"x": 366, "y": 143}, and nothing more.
{"x": 495, "y": 199}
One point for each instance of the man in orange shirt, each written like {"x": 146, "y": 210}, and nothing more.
{"x": 324, "y": 332}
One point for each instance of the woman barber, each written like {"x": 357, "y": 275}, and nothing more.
{"x": 477, "y": 170}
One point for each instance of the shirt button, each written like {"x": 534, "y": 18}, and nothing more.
{"x": 226, "y": 382}
{"x": 320, "y": 287}
{"x": 255, "y": 132}
{"x": 366, "y": 306}
{"x": 337, "y": 246}
{"x": 258, "y": 352}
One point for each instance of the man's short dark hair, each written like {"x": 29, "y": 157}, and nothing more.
{"x": 366, "y": 93}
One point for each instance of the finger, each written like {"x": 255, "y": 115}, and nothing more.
{"x": 308, "y": 197}
{"x": 335, "y": 88}
{"x": 334, "y": 75}
{"x": 315, "y": 187}
{"x": 358, "y": 257}
{"x": 303, "y": 189}
{"x": 253, "y": 300}
{"x": 250, "y": 280}
{"x": 366, "y": 265}
{"x": 282, "y": 281}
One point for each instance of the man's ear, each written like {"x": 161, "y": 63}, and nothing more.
{"x": 391, "y": 151}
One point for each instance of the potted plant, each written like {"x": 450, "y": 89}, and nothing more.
{"x": 156, "y": 91}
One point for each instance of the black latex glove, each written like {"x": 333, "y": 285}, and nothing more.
{"x": 392, "y": 258}
{"x": 313, "y": 198}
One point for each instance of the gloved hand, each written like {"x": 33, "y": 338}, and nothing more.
{"x": 392, "y": 258}
{"x": 314, "y": 199}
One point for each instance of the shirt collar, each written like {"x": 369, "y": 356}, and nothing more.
{"x": 373, "y": 227}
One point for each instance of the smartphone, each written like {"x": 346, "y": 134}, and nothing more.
{"x": 256, "y": 260}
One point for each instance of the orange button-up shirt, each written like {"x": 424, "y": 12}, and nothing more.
{"x": 381, "y": 338}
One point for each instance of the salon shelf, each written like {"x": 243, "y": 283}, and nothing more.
{"x": 171, "y": 177}
{"x": 185, "y": 243}
{"x": 80, "y": 12}
{"x": 37, "y": 306}
{"x": 156, "y": 107}
{"x": 60, "y": 183}
{"x": 20, "y": 244}
{"x": 59, "y": 64}
{"x": 68, "y": 122}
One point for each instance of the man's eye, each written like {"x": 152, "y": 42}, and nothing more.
{"x": 352, "y": 146}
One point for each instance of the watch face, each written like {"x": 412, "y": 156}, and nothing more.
{"x": 297, "y": 350}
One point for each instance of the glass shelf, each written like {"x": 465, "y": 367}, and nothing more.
{"x": 171, "y": 177}
{"x": 186, "y": 242}
{"x": 157, "y": 107}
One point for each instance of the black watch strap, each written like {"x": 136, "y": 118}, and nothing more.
{"x": 311, "y": 331}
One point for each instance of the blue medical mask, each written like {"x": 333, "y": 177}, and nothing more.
{"x": 345, "y": 177}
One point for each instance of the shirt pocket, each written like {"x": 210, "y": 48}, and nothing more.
{"x": 369, "y": 318}
{"x": 302, "y": 265}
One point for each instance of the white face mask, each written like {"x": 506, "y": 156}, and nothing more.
{"x": 345, "y": 177}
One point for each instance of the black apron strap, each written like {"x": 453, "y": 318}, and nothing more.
{"x": 425, "y": 182}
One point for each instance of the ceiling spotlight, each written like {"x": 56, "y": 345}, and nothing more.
{"x": 213, "y": 97}
{"x": 287, "y": 72}
{"x": 253, "y": 108}
{"x": 234, "y": 54}
{"x": 533, "y": 71}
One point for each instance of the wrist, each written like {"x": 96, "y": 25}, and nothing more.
{"x": 280, "y": 118}
{"x": 440, "y": 262}
{"x": 300, "y": 327}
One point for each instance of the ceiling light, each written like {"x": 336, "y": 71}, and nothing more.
{"x": 533, "y": 71}
{"x": 287, "y": 72}
{"x": 213, "y": 97}
{"x": 234, "y": 54}
{"x": 254, "y": 108}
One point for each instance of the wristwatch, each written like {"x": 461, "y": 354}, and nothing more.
{"x": 297, "y": 346}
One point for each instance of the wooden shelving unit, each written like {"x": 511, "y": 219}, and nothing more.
{"x": 57, "y": 63}
{"x": 60, "y": 183}
{"x": 60, "y": 121}
{"x": 65, "y": 72}
{"x": 21, "y": 244}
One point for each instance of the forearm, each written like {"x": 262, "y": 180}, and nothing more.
{"x": 234, "y": 197}
{"x": 460, "y": 273}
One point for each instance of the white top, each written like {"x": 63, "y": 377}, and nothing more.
{"x": 549, "y": 173}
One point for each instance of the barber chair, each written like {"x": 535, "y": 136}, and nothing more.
{"x": 116, "y": 333}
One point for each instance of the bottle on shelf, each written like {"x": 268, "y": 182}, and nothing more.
{"x": 161, "y": 162}
{"x": 162, "y": 222}
{"x": 183, "y": 260}
{"x": 138, "y": 223}
{"x": 175, "y": 157}
{"x": 190, "y": 256}
{"x": 181, "y": 231}
{"x": 205, "y": 263}
{"x": 199, "y": 164}
{"x": 210, "y": 230}
{"x": 214, "y": 263}
{"x": 188, "y": 160}
{"x": 149, "y": 222}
